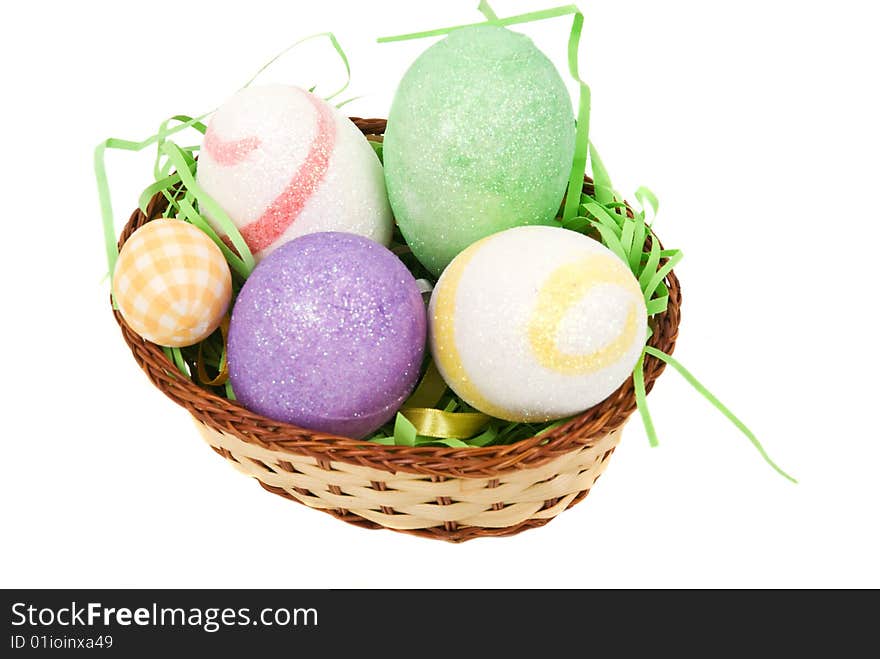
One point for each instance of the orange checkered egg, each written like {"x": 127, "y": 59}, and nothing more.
{"x": 171, "y": 283}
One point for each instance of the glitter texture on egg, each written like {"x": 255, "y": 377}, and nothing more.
{"x": 283, "y": 163}
{"x": 171, "y": 283}
{"x": 328, "y": 333}
{"x": 480, "y": 138}
{"x": 536, "y": 323}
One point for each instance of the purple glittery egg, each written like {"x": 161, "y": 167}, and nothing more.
{"x": 327, "y": 333}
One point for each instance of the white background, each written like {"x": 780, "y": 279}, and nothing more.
{"x": 756, "y": 124}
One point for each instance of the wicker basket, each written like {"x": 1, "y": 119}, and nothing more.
{"x": 453, "y": 494}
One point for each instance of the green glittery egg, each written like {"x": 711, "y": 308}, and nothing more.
{"x": 480, "y": 139}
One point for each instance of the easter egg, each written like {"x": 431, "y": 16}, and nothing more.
{"x": 281, "y": 162}
{"x": 171, "y": 283}
{"x": 480, "y": 138}
{"x": 536, "y": 323}
{"x": 328, "y": 333}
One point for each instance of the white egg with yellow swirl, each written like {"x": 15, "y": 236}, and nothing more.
{"x": 536, "y": 323}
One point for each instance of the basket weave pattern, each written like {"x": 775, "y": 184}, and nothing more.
{"x": 453, "y": 494}
{"x": 409, "y": 501}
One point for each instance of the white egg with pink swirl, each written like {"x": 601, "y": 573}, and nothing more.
{"x": 282, "y": 163}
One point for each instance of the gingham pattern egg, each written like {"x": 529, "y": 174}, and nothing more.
{"x": 536, "y": 323}
{"x": 282, "y": 163}
{"x": 171, "y": 283}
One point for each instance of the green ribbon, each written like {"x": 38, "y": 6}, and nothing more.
{"x": 510, "y": 20}
{"x": 487, "y": 11}
{"x": 648, "y": 199}
{"x": 641, "y": 399}
{"x": 175, "y": 356}
{"x": 582, "y": 134}
{"x": 603, "y": 190}
{"x": 336, "y": 46}
{"x": 104, "y": 186}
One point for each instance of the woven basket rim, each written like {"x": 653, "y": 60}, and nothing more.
{"x": 230, "y": 417}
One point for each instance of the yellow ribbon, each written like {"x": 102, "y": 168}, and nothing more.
{"x": 429, "y": 391}
{"x": 430, "y": 422}
{"x": 223, "y": 375}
